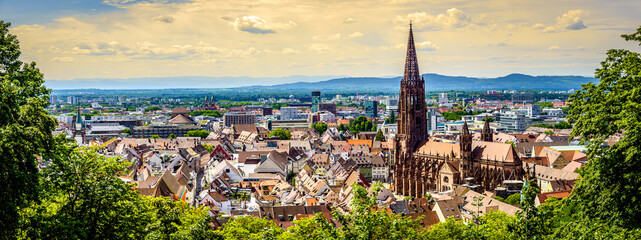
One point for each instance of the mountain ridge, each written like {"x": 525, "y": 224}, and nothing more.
{"x": 330, "y": 82}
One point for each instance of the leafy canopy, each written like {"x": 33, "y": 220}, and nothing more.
{"x": 25, "y": 130}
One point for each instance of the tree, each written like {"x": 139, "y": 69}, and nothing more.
{"x": 155, "y": 136}
{"x": 172, "y": 136}
{"x": 549, "y": 132}
{"x": 83, "y": 198}
{"x": 126, "y": 131}
{"x": 242, "y": 228}
{"x": 320, "y": 127}
{"x": 177, "y": 220}
{"x": 198, "y": 133}
{"x": 545, "y": 104}
{"x": 26, "y": 130}
{"x": 209, "y": 147}
{"x": 489, "y": 119}
{"x": 563, "y": 125}
{"x": 316, "y": 227}
{"x": 379, "y": 136}
{"x": 608, "y": 192}
{"x": 151, "y": 109}
{"x": 391, "y": 119}
{"x": 366, "y": 222}
{"x": 282, "y": 134}
{"x": 513, "y": 199}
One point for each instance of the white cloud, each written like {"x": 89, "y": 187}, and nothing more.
{"x": 290, "y": 51}
{"x": 355, "y": 35}
{"x": 256, "y": 25}
{"x": 327, "y": 37}
{"x": 426, "y": 46}
{"x": 349, "y": 20}
{"x": 557, "y": 48}
{"x": 164, "y": 19}
{"x": 571, "y": 20}
{"x": 421, "y": 46}
{"x": 62, "y": 59}
{"x": 320, "y": 48}
{"x": 453, "y": 18}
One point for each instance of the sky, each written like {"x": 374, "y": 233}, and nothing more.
{"x": 72, "y": 39}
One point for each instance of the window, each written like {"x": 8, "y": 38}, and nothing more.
{"x": 446, "y": 180}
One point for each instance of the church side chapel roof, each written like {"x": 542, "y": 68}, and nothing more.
{"x": 439, "y": 148}
{"x": 501, "y": 152}
{"x": 480, "y": 150}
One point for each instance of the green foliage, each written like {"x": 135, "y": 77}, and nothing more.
{"x": 513, "y": 199}
{"x": 172, "y": 136}
{"x": 391, "y": 119}
{"x": 210, "y": 113}
{"x": 282, "y": 134}
{"x": 313, "y": 228}
{"x": 379, "y": 136}
{"x": 360, "y": 124}
{"x": 456, "y": 115}
{"x": 609, "y": 192}
{"x": 126, "y": 131}
{"x": 341, "y": 127}
{"x": 198, "y": 133}
{"x": 155, "y": 136}
{"x": 549, "y": 132}
{"x": 209, "y": 147}
{"x": 365, "y": 222}
{"x": 559, "y": 125}
{"x": 250, "y": 228}
{"x": 563, "y": 125}
{"x": 25, "y": 130}
{"x": 545, "y": 104}
{"x": 489, "y": 119}
{"x": 154, "y": 108}
{"x": 83, "y": 198}
{"x": 511, "y": 143}
{"x": 177, "y": 220}
{"x": 320, "y": 127}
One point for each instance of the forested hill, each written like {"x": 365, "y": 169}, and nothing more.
{"x": 328, "y": 82}
{"x": 441, "y": 82}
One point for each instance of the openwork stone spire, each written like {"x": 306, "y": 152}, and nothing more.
{"x": 411, "y": 62}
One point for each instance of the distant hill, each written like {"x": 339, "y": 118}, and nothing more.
{"x": 296, "y": 83}
{"x": 441, "y": 82}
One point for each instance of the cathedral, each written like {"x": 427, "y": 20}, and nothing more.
{"x": 421, "y": 165}
{"x": 208, "y": 105}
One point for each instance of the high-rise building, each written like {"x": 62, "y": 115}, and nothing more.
{"x": 72, "y": 100}
{"x": 288, "y": 113}
{"x": 513, "y": 122}
{"x": 53, "y": 99}
{"x": 442, "y": 98}
{"x": 238, "y": 118}
{"x": 316, "y": 97}
{"x": 328, "y": 107}
{"x": 371, "y": 109}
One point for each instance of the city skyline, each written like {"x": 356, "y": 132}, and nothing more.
{"x": 135, "y": 39}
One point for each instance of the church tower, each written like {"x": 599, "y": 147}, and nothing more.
{"x": 487, "y": 132}
{"x": 412, "y": 125}
{"x": 465, "y": 143}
